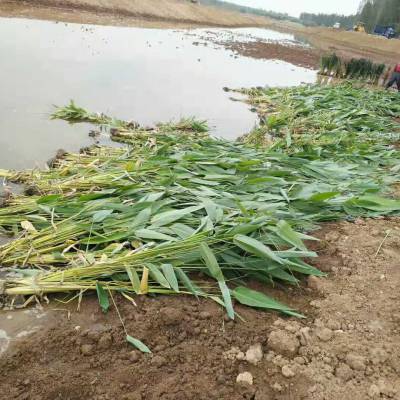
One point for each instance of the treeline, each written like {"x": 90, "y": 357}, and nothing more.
{"x": 249, "y": 10}
{"x": 346, "y": 21}
{"x": 381, "y": 12}
{"x": 307, "y": 19}
{"x": 371, "y": 13}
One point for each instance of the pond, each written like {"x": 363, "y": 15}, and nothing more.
{"x": 147, "y": 75}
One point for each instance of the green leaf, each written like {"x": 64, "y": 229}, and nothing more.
{"x": 285, "y": 231}
{"x": 211, "y": 262}
{"x": 104, "y": 239}
{"x": 168, "y": 217}
{"x": 324, "y": 196}
{"x": 257, "y": 248}
{"x": 211, "y": 208}
{"x": 157, "y": 275}
{"x": 216, "y": 272}
{"x": 101, "y": 215}
{"x": 51, "y": 198}
{"x": 134, "y": 278}
{"x": 281, "y": 274}
{"x": 244, "y": 229}
{"x": 182, "y": 230}
{"x": 130, "y": 166}
{"x": 103, "y": 297}
{"x": 303, "y": 268}
{"x": 226, "y": 295}
{"x": 296, "y": 254}
{"x": 253, "y": 298}
{"x": 189, "y": 285}
{"x": 138, "y": 344}
{"x": 377, "y": 203}
{"x": 153, "y": 235}
{"x": 143, "y": 217}
{"x": 169, "y": 274}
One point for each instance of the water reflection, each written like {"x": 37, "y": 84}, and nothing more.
{"x": 143, "y": 74}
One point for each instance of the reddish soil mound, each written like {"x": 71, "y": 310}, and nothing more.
{"x": 301, "y": 56}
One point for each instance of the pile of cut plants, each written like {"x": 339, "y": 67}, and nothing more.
{"x": 177, "y": 211}
{"x": 355, "y": 68}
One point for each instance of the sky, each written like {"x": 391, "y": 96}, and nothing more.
{"x": 295, "y": 7}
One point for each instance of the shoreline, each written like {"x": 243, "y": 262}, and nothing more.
{"x": 180, "y": 15}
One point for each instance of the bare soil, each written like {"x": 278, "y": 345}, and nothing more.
{"x": 346, "y": 44}
{"x": 154, "y": 13}
{"x": 347, "y": 348}
{"x": 301, "y": 56}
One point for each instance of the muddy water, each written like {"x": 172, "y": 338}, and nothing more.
{"x": 142, "y": 74}
{"x": 18, "y": 324}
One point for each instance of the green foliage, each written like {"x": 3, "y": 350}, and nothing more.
{"x": 333, "y": 122}
{"x": 103, "y": 297}
{"x": 331, "y": 65}
{"x": 177, "y": 211}
{"x": 74, "y": 114}
{"x": 137, "y": 344}
{"x": 362, "y": 68}
{"x": 380, "y": 12}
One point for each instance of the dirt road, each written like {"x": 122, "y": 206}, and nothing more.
{"x": 348, "y": 348}
{"x": 349, "y": 44}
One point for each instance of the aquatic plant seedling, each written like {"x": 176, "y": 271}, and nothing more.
{"x": 331, "y": 65}
{"x": 362, "y": 68}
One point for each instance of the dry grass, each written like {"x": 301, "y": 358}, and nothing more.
{"x": 128, "y": 12}
{"x": 346, "y": 44}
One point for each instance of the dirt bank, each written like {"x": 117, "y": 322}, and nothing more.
{"x": 348, "y": 348}
{"x": 156, "y": 13}
{"x": 344, "y": 43}
{"x": 301, "y": 56}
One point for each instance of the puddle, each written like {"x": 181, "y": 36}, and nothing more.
{"x": 19, "y": 324}
{"x": 4, "y": 341}
{"x": 249, "y": 35}
{"x": 148, "y": 75}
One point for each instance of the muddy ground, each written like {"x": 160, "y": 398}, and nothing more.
{"x": 154, "y": 13}
{"x": 347, "y": 348}
{"x": 301, "y": 56}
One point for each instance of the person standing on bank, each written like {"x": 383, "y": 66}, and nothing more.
{"x": 395, "y": 78}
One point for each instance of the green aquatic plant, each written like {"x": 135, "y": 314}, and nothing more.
{"x": 332, "y": 65}
{"x": 176, "y": 211}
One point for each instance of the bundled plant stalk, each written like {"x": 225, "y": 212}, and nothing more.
{"x": 331, "y": 65}
{"x": 334, "y": 66}
{"x": 176, "y": 211}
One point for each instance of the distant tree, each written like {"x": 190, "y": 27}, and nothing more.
{"x": 381, "y": 12}
{"x": 248, "y": 10}
{"x": 368, "y": 16}
{"x": 346, "y": 21}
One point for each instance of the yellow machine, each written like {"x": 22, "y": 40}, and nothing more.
{"x": 360, "y": 27}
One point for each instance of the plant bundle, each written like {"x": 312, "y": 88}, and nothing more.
{"x": 176, "y": 211}
{"x": 332, "y": 65}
